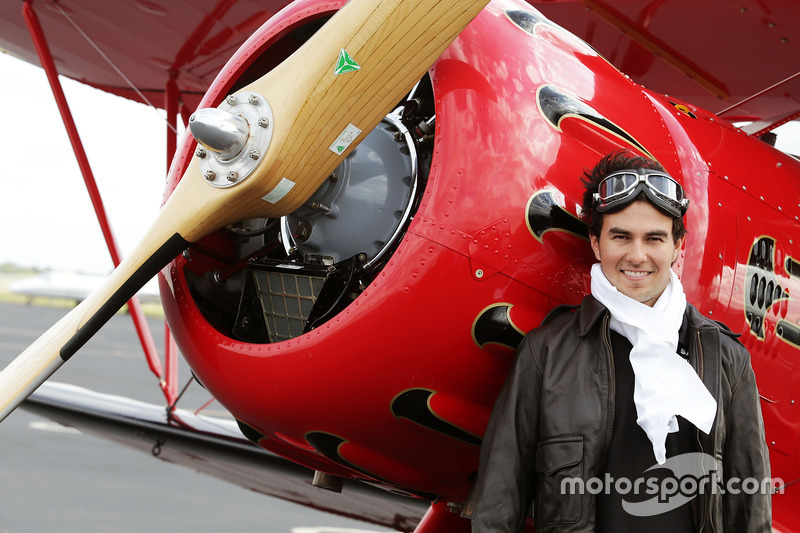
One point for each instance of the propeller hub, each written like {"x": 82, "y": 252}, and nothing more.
{"x": 220, "y": 132}
{"x": 233, "y": 136}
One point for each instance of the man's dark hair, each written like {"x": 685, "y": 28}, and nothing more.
{"x": 613, "y": 162}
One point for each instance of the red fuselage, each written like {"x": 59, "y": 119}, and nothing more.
{"x": 397, "y": 387}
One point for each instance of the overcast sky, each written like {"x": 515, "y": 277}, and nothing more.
{"x": 46, "y": 217}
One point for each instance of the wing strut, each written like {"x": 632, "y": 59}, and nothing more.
{"x": 759, "y": 93}
{"x": 46, "y": 59}
{"x": 442, "y": 516}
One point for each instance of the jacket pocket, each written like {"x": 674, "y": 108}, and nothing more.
{"x": 559, "y": 481}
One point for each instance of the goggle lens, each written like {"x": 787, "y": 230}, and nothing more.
{"x": 619, "y": 184}
{"x": 622, "y": 187}
{"x": 666, "y": 186}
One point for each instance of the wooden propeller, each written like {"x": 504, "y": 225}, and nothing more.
{"x": 393, "y": 41}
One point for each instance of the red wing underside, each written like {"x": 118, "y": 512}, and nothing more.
{"x": 713, "y": 54}
{"x": 150, "y": 43}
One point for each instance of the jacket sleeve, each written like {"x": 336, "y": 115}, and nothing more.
{"x": 745, "y": 455}
{"x": 508, "y": 449}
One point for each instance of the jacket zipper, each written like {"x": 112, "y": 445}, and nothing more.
{"x": 705, "y": 495}
{"x": 612, "y": 389}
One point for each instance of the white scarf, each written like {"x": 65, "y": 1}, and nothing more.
{"x": 665, "y": 384}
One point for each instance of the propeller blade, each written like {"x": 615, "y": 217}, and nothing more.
{"x": 319, "y": 113}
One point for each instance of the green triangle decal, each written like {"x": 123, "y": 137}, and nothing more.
{"x": 345, "y": 63}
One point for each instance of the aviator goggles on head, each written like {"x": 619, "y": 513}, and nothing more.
{"x": 622, "y": 187}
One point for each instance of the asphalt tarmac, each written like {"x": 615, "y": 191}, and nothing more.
{"x": 56, "y": 479}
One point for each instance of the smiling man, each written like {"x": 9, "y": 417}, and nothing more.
{"x": 636, "y": 250}
{"x": 609, "y": 404}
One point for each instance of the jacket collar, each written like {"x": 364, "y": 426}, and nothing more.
{"x": 697, "y": 320}
{"x": 589, "y": 313}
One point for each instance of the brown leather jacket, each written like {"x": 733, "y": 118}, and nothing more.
{"x": 554, "y": 418}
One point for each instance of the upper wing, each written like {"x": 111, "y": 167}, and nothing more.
{"x": 149, "y": 43}
{"x": 714, "y": 54}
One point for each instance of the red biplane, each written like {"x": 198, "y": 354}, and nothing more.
{"x": 379, "y": 198}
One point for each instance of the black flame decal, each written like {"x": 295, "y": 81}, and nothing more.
{"x": 414, "y": 405}
{"x": 494, "y": 325}
{"x": 546, "y": 213}
{"x": 526, "y": 20}
{"x": 557, "y": 105}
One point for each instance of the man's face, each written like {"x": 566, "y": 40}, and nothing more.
{"x": 635, "y": 249}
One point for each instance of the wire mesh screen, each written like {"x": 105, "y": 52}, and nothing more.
{"x": 287, "y": 300}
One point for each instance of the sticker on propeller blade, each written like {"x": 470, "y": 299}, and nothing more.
{"x": 345, "y": 63}
{"x": 280, "y": 190}
{"x": 344, "y": 139}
